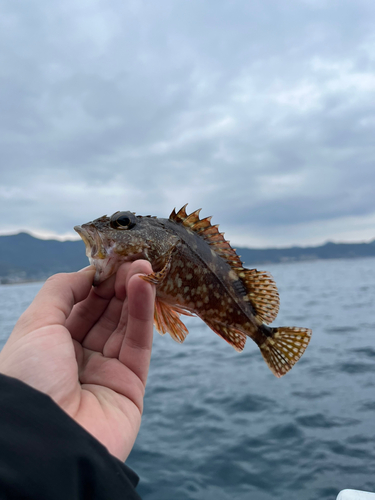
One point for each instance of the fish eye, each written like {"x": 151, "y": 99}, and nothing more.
{"x": 123, "y": 220}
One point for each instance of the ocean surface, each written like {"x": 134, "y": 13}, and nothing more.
{"x": 219, "y": 426}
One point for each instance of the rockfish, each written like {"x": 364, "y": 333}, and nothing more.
{"x": 196, "y": 272}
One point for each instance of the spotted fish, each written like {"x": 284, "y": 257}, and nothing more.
{"x": 196, "y": 272}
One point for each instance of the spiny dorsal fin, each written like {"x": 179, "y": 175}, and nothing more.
{"x": 209, "y": 233}
{"x": 260, "y": 286}
{"x": 262, "y": 293}
{"x": 180, "y": 215}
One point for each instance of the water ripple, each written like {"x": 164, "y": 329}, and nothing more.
{"x": 251, "y": 403}
{"x": 218, "y": 425}
{"x": 318, "y": 420}
{"x": 355, "y": 368}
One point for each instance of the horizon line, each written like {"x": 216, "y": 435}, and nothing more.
{"x": 63, "y": 238}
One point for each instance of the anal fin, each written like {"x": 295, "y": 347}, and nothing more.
{"x": 234, "y": 337}
{"x": 284, "y": 348}
{"x": 167, "y": 319}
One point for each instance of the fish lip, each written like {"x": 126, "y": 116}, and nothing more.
{"x": 92, "y": 240}
{"x": 81, "y": 232}
{"x": 84, "y": 234}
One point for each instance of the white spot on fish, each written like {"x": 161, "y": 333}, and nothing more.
{"x": 232, "y": 275}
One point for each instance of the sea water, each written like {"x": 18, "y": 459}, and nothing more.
{"x": 218, "y": 425}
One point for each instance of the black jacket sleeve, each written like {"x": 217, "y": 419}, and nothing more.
{"x": 44, "y": 454}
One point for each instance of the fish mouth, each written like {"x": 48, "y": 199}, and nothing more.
{"x": 102, "y": 254}
{"x": 92, "y": 240}
{"x": 96, "y": 252}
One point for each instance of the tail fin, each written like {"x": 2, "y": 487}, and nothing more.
{"x": 284, "y": 348}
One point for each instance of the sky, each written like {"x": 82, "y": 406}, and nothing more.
{"x": 262, "y": 113}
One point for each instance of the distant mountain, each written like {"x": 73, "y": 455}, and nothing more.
{"x": 328, "y": 251}
{"x": 25, "y": 258}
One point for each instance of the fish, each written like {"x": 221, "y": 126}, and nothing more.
{"x": 196, "y": 273}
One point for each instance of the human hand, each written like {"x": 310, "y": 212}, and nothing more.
{"x": 89, "y": 349}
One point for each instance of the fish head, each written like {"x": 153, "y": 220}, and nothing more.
{"x": 123, "y": 237}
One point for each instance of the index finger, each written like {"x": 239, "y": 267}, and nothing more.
{"x": 55, "y": 300}
{"x": 135, "y": 352}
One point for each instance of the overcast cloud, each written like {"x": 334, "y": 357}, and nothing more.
{"x": 262, "y": 113}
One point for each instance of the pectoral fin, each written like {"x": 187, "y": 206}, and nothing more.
{"x": 167, "y": 319}
{"x": 158, "y": 277}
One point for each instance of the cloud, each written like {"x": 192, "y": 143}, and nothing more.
{"x": 261, "y": 113}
